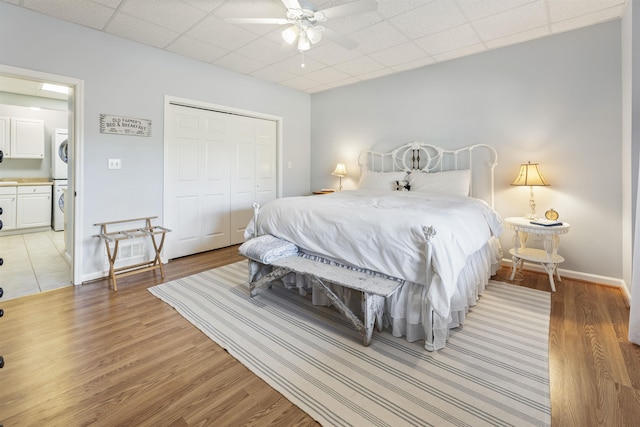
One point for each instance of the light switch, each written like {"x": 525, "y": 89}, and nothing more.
{"x": 114, "y": 164}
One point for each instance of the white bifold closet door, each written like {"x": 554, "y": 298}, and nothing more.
{"x": 218, "y": 165}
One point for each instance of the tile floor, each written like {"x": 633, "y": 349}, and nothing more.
{"x": 33, "y": 262}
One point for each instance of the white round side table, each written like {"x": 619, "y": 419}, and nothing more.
{"x": 548, "y": 257}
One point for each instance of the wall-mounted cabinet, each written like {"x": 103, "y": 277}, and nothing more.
{"x": 22, "y": 138}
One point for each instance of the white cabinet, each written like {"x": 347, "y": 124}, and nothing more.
{"x": 27, "y": 139}
{"x": 22, "y": 138}
{"x": 8, "y": 205}
{"x": 34, "y": 206}
{"x": 5, "y": 132}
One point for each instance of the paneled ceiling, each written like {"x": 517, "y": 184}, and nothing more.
{"x": 400, "y": 35}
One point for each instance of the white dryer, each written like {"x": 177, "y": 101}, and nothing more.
{"x": 59, "y": 190}
{"x": 59, "y": 154}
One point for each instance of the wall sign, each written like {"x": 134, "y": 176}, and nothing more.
{"x": 124, "y": 125}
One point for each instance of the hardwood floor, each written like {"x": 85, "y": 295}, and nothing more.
{"x": 86, "y": 355}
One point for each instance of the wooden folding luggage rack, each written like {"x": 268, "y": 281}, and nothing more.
{"x": 114, "y": 237}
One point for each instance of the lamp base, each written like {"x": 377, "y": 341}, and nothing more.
{"x": 531, "y": 216}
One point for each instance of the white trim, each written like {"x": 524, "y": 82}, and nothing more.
{"x": 78, "y": 164}
{"x": 575, "y": 275}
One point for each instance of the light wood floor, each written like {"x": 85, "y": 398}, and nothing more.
{"x": 86, "y": 355}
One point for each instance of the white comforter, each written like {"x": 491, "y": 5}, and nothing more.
{"x": 382, "y": 231}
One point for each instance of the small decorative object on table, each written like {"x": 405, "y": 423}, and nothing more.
{"x": 551, "y": 215}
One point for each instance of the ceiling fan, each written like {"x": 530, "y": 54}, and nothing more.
{"x": 304, "y": 22}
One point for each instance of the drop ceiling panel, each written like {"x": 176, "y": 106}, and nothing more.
{"x": 82, "y": 12}
{"x": 265, "y": 51}
{"x": 239, "y": 63}
{"x": 400, "y": 35}
{"x": 524, "y": 18}
{"x": 216, "y": 31}
{"x": 448, "y": 40}
{"x": 400, "y": 54}
{"x": 589, "y": 19}
{"x": 563, "y": 10}
{"x": 361, "y": 65}
{"x": 273, "y": 74}
{"x": 132, "y": 28}
{"x": 377, "y": 37}
{"x": 196, "y": 49}
{"x": 433, "y": 17}
{"x": 476, "y": 9}
{"x": 174, "y": 15}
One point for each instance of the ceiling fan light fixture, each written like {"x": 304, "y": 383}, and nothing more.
{"x": 290, "y": 34}
{"x": 303, "y": 42}
{"x": 314, "y": 33}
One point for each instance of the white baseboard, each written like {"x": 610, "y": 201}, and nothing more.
{"x": 577, "y": 275}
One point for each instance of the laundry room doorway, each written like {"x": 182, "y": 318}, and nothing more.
{"x": 16, "y": 85}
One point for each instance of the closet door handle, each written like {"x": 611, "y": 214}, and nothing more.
{"x": 1, "y": 156}
{"x": 0, "y": 224}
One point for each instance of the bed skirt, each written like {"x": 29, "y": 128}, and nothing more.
{"x": 408, "y": 311}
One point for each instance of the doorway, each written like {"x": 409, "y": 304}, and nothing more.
{"x": 16, "y": 84}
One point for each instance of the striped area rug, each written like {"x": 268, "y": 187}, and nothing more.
{"x": 494, "y": 371}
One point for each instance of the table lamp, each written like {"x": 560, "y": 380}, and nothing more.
{"x": 530, "y": 175}
{"x": 341, "y": 171}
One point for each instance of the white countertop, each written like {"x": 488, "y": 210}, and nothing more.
{"x": 18, "y": 182}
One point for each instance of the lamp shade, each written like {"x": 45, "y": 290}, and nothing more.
{"x": 303, "y": 42}
{"x": 314, "y": 33}
{"x": 340, "y": 171}
{"x": 290, "y": 34}
{"x": 529, "y": 175}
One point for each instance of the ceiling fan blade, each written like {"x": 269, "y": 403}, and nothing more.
{"x": 338, "y": 38}
{"x": 352, "y": 8}
{"x": 292, "y": 4}
{"x": 275, "y": 21}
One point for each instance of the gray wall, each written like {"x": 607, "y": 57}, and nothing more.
{"x": 556, "y": 101}
{"x": 129, "y": 79}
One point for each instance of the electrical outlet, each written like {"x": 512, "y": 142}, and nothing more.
{"x": 114, "y": 164}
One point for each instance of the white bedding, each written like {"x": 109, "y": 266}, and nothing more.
{"x": 382, "y": 231}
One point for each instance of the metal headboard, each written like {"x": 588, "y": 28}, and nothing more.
{"x": 480, "y": 159}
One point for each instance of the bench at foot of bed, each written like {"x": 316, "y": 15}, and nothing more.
{"x": 374, "y": 289}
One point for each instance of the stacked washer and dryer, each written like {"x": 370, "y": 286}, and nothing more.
{"x": 59, "y": 172}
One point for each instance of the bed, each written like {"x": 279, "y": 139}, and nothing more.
{"x": 422, "y": 215}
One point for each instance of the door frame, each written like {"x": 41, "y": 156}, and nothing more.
{"x": 76, "y": 172}
{"x": 191, "y": 103}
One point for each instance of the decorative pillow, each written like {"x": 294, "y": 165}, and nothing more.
{"x": 380, "y": 180}
{"x": 448, "y": 182}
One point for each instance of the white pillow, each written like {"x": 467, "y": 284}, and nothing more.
{"x": 448, "y": 182}
{"x": 380, "y": 180}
